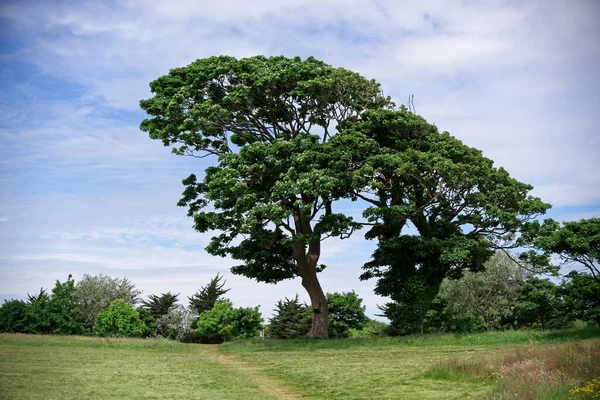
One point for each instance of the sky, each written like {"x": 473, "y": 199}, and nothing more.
{"x": 83, "y": 190}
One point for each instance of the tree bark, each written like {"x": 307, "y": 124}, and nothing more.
{"x": 319, "y": 326}
{"x": 307, "y": 269}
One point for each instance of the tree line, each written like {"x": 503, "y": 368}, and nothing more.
{"x": 502, "y": 296}
{"x": 105, "y": 306}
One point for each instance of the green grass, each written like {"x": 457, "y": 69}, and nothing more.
{"x": 55, "y": 367}
{"x": 418, "y": 367}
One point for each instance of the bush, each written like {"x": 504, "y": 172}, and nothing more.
{"x": 119, "y": 319}
{"x": 370, "y": 329}
{"x": 175, "y": 322}
{"x": 230, "y": 323}
{"x": 12, "y": 316}
{"x": 192, "y": 336}
{"x": 149, "y": 321}
{"x": 37, "y": 316}
{"x": 57, "y": 313}
{"x": 345, "y": 312}
{"x": 94, "y": 294}
{"x": 63, "y": 309}
{"x": 291, "y": 320}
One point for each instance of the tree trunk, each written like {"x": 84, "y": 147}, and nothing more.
{"x": 319, "y": 327}
{"x": 307, "y": 260}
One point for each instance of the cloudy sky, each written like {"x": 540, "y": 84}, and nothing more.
{"x": 84, "y": 191}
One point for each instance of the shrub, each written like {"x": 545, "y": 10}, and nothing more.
{"x": 94, "y": 294}
{"x": 12, "y": 316}
{"x": 63, "y": 310}
{"x": 37, "y": 316}
{"x": 229, "y": 323}
{"x": 149, "y": 322}
{"x": 345, "y": 312}
{"x": 175, "y": 322}
{"x": 57, "y": 313}
{"x": 370, "y": 329}
{"x": 192, "y": 336}
{"x": 119, "y": 319}
{"x": 291, "y": 320}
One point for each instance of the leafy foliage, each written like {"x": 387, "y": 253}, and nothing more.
{"x": 276, "y": 193}
{"x": 175, "y": 322}
{"x": 160, "y": 305}
{"x": 58, "y": 313}
{"x": 150, "y": 323}
{"x": 581, "y": 293}
{"x": 95, "y": 293}
{"x": 462, "y": 207}
{"x": 205, "y": 298}
{"x": 345, "y": 312}
{"x": 371, "y": 328}
{"x": 63, "y": 309}
{"x": 540, "y": 304}
{"x": 119, "y": 319}
{"x": 492, "y": 293}
{"x": 230, "y": 323}
{"x": 37, "y": 316}
{"x": 12, "y": 316}
{"x": 291, "y": 320}
{"x": 574, "y": 242}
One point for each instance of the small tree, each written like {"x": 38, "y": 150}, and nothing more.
{"x": 345, "y": 312}
{"x": 539, "y": 303}
{"x": 492, "y": 293}
{"x": 205, "y": 298}
{"x": 176, "y": 322}
{"x": 160, "y": 305}
{"x": 63, "y": 309}
{"x": 290, "y": 321}
{"x": 57, "y": 313}
{"x": 228, "y": 323}
{"x": 37, "y": 316}
{"x": 119, "y": 319}
{"x": 95, "y": 293}
{"x": 12, "y": 316}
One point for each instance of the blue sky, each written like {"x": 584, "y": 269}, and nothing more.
{"x": 84, "y": 191}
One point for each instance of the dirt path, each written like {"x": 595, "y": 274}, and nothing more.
{"x": 268, "y": 385}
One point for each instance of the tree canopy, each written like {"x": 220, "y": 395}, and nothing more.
{"x": 437, "y": 206}
{"x": 269, "y": 121}
{"x": 492, "y": 293}
{"x": 205, "y": 298}
{"x": 160, "y": 305}
{"x": 95, "y": 292}
{"x": 576, "y": 242}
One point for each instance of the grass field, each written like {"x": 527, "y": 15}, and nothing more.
{"x": 428, "y": 367}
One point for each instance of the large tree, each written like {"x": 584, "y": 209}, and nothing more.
{"x": 438, "y": 207}
{"x": 272, "y": 192}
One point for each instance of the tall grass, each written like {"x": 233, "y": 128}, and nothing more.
{"x": 536, "y": 371}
